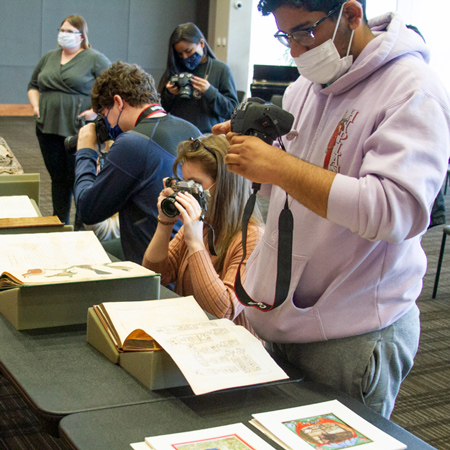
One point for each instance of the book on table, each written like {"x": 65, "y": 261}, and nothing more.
{"x": 53, "y": 258}
{"x": 211, "y": 354}
{"x": 235, "y": 436}
{"x": 326, "y": 426}
{"x": 16, "y": 206}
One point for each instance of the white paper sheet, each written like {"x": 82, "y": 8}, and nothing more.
{"x": 217, "y": 355}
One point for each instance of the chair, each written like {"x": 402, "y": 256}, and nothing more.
{"x": 240, "y": 96}
{"x": 445, "y": 233}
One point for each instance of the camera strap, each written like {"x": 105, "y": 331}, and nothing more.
{"x": 284, "y": 261}
{"x": 151, "y": 110}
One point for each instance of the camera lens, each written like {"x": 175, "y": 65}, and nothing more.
{"x": 186, "y": 91}
{"x": 70, "y": 144}
{"x": 168, "y": 206}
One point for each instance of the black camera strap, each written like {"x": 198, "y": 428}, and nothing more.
{"x": 284, "y": 261}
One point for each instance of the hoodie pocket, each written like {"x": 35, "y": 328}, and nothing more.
{"x": 262, "y": 273}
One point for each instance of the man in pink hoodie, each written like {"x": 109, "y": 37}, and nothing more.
{"x": 364, "y": 161}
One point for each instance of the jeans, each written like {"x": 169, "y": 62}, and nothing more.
{"x": 369, "y": 367}
{"x": 61, "y": 167}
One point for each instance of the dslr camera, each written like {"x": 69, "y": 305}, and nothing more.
{"x": 184, "y": 83}
{"x": 168, "y": 204}
{"x": 265, "y": 121}
{"x": 70, "y": 143}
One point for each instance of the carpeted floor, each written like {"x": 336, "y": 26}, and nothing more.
{"x": 423, "y": 405}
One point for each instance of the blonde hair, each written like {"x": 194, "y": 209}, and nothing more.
{"x": 80, "y": 24}
{"x": 228, "y": 199}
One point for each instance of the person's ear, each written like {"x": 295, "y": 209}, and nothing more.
{"x": 202, "y": 43}
{"x": 119, "y": 102}
{"x": 353, "y": 14}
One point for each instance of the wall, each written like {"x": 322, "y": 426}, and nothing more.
{"x": 229, "y": 37}
{"x": 136, "y": 31}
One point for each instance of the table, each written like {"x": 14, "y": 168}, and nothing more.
{"x": 116, "y": 428}
{"x": 59, "y": 373}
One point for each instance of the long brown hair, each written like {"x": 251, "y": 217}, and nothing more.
{"x": 230, "y": 194}
{"x": 80, "y": 24}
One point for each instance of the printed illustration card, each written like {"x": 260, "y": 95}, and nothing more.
{"x": 236, "y": 437}
{"x": 323, "y": 426}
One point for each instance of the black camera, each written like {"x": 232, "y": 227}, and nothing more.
{"x": 265, "y": 121}
{"x": 70, "y": 143}
{"x": 184, "y": 83}
{"x": 168, "y": 204}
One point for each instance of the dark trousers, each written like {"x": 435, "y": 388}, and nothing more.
{"x": 61, "y": 167}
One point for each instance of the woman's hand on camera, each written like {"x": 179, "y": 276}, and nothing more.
{"x": 191, "y": 212}
{"x": 200, "y": 84}
{"x": 172, "y": 88}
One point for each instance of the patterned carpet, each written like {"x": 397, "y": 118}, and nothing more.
{"x": 423, "y": 405}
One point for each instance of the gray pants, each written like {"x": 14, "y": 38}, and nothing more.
{"x": 369, "y": 367}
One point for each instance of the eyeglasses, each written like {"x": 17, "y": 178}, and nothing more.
{"x": 68, "y": 31}
{"x": 306, "y": 36}
{"x": 196, "y": 143}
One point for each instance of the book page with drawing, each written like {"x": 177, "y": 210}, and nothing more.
{"x": 127, "y": 322}
{"x": 321, "y": 425}
{"x": 15, "y": 206}
{"x": 216, "y": 355}
{"x": 235, "y": 436}
{"x": 49, "y": 258}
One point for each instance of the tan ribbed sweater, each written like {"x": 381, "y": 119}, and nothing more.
{"x": 195, "y": 275}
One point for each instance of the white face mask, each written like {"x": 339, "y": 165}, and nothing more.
{"x": 323, "y": 64}
{"x": 68, "y": 40}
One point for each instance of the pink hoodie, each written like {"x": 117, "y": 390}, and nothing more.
{"x": 360, "y": 269}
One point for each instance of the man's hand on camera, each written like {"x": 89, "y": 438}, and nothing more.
{"x": 222, "y": 128}
{"x": 87, "y": 137}
{"x": 253, "y": 158}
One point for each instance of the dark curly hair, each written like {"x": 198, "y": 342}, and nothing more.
{"x": 130, "y": 81}
{"x": 267, "y": 7}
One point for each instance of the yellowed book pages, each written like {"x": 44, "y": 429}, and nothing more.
{"x": 127, "y": 322}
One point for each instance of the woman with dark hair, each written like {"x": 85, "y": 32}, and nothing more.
{"x": 187, "y": 259}
{"x": 212, "y": 95}
{"x": 59, "y": 92}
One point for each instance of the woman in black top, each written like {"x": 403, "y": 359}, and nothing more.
{"x": 209, "y": 95}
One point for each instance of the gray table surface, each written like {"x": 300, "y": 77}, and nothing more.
{"x": 112, "y": 429}
{"x": 59, "y": 373}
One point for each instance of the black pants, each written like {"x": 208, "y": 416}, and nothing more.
{"x": 61, "y": 167}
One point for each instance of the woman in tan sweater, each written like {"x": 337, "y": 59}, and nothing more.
{"x": 187, "y": 259}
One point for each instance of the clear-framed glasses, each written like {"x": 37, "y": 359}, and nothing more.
{"x": 196, "y": 143}
{"x": 61, "y": 30}
{"x": 306, "y": 36}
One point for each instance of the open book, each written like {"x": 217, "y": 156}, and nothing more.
{"x": 211, "y": 354}
{"x": 325, "y": 425}
{"x": 125, "y": 322}
{"x": 236, "y": 436}
{"x": 15, "y": 206}
{"x": 50, "y": 258}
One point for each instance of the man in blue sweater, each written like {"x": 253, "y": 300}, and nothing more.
{"x": 144, "y": 149}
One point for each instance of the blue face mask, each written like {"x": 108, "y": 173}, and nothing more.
{"x": 113, "y": 131}
{"x": 191, "y": 62}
